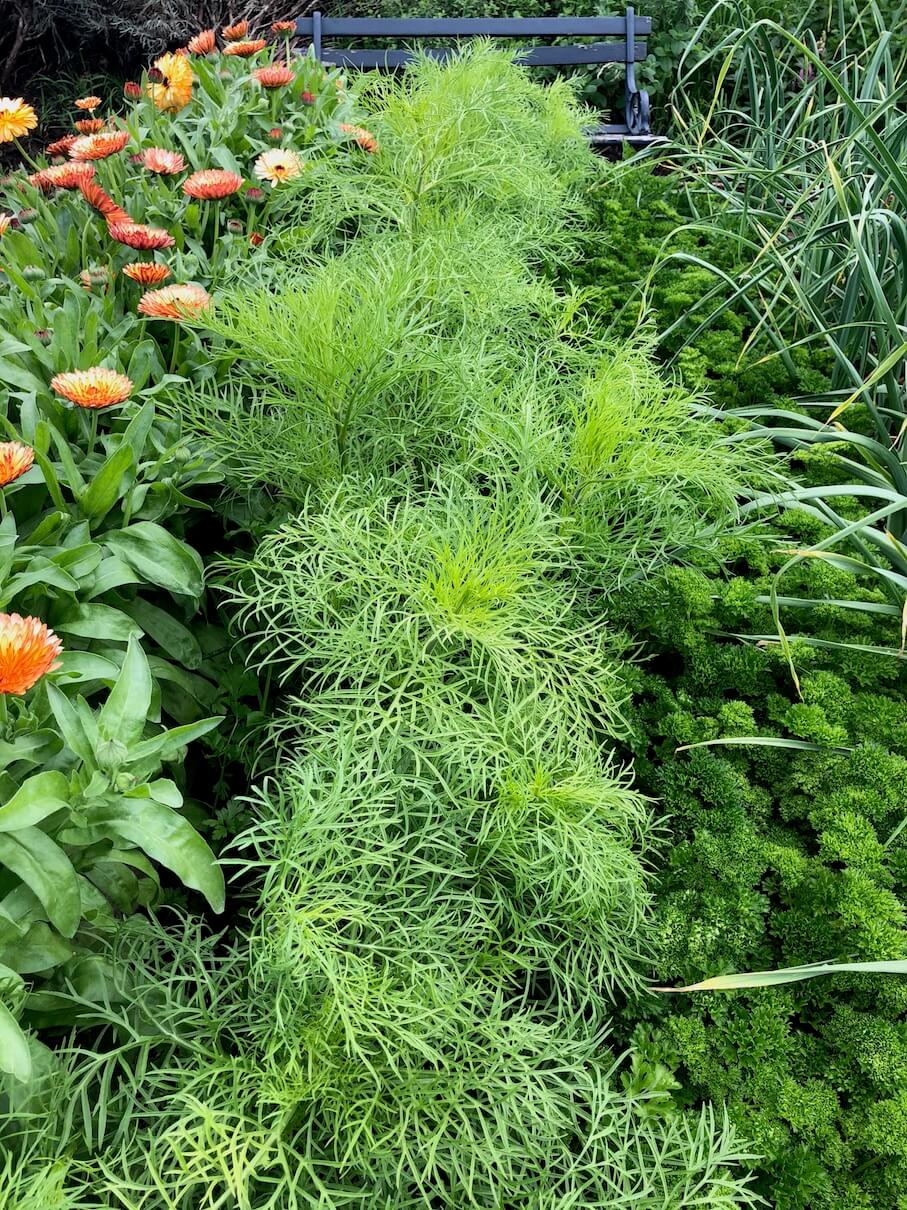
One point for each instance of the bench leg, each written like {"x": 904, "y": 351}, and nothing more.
{"x": 637, "y": 101}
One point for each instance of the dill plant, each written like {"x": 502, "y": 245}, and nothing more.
{"x": 447, "y": 878}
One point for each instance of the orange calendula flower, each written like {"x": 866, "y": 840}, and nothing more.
{"x": 158, "y": 159}
{"x": 15, "y": 460}
{"x": 90, "y": 125}
{"x": 202, "y": 43}
{"x": 147, "y": 273}
{"x": 363, "y": 137}
{"x": 88, "y": 103}
{"x": 95, "y": 388}
{"x": 233, "y": 33}
{"x": 211, "y": 184}
{"x": 16, "y": 118}
{"x": 139, "y": 235}
{"x": 99, "y": 146}
{"x": 275, "y": 75}
{"x": 62, "y": 176}
{"x": 181, "y": 301}
{"x": 283, "y": 27}
{"x": 245, "y": 48}
{"x": 277, "y": 166}
{"x": 61, "y": 146}
{"x": 28, "y": 650}
{"x": 173, "y": 90}
{"x": 103, "y": 203}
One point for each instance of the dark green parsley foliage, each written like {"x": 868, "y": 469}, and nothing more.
{"x": 781, "y": 857}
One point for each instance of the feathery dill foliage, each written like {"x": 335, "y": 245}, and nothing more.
{"x": 451, "y": 876}
{"x": 478, "y": 139}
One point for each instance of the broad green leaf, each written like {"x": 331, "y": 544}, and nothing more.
{"x": 70, "y": 724}
{"x": 47, "y": 872}
{"x": 166, "y": 745}
{"x": 37, "y": 798}
{"x": 33, "y": 748}
{"x": 15, "y": 1056}
{"x": 100, "y": 622}
{"x": 104, "y": 490}
{"x": 40, "y": 949}
{"x": 124, "y": 714}
{"x": 791, "y": 974}
{"x": 159, "y": 558}
{"x": 170, "y": 840}
{"x": 170, "y": 635}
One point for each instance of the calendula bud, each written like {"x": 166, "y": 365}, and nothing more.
{"x": 33, "y": 273}
{"x": 27, "y": 216}
{"x": 254, "y": 194}
{"x": 234, "y": 226}
{"x": 275, "y": 133}
{"x": 155, "y": 75}
{"x": 307, "y": 98}
{"x": 256, "y": 240}
{"x": 43, "y": 335}
{"x": 111, "y": 754}
{"x": 131, "y": 89}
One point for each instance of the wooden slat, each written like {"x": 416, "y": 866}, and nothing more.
{"x": 601, "y": 52}
{"x": 477, "y": 27}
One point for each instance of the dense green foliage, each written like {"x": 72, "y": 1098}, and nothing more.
{"x": 781, "y": 857}
{"x": 446, "y": 880}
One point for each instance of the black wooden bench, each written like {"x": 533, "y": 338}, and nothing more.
{"x": 629, "y": 50}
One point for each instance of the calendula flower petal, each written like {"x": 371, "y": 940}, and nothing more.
{"x": 15, "y": 460}
{"x": 16, "y": 118}
{"x": 278, "y": 165}
{"x": 28, "y": 650}
{"x": 94, "y": 388}
{"x": 181, "y": 301}
{"x": 171, "y": 88}
{"x": 211, "y": 183}
{"x": 99, "y": 146}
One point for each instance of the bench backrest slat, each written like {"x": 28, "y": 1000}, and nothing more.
{"x": 537, "y": 56}
{"x": 473, "y": 27}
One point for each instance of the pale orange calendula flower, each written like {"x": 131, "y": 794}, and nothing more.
{"x": 212, "y": 183}
{"x": 159, "y": 159}
{"x": 88, "y": 103}
{"x": 173, "y": 90}
{"x": 139, "y": 235}
{"x": 103, "y": 203}
{"x": 94, "y": 388}
{"x": 16, "y": 118}
{"x": 245, "y": 48}
{"x": 147, "y": 273}
{"x": 28, "y": 650}
{"x": 283, "y": 27}
{"x": 61, "y": 146}
{"x": 278, "y": 165}
{"x": 202, "y": 43}
{"x": 181, "y": 301}
{"x": 62, "y": 176}
{"x": 233, "y": 33}
{"x": 15, "y": 460}
{"x": 99, "y": 146}
{"x": 275, "y": 75}
{"x": 363, "y": 137}
{"x": 90, "y": 125}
